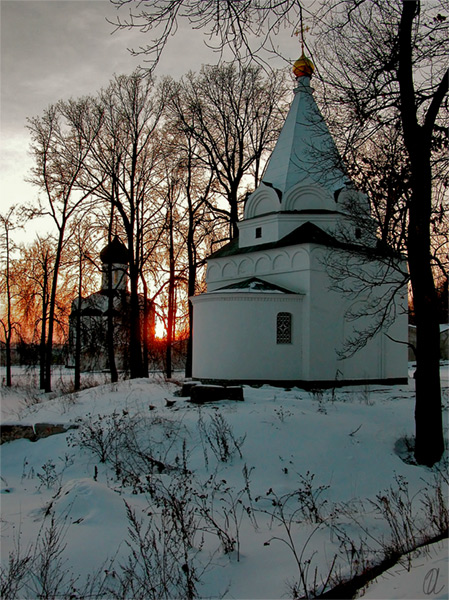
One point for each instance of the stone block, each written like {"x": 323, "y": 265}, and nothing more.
{"x": 234, "y": 392}
{"x": 187, "y": 388}
{"x": 200, "y": 394}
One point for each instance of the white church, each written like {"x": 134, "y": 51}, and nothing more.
{"x": 271, "y": 313}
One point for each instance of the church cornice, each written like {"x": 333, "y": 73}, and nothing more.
{"x": 246, "y": 297}
{"x": 279, "y": 213}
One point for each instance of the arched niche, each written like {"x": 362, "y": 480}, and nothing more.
{"x": 300, "y": 260}
{"x": 264, "y": 200}
{"x": 213, "y": 272}
{"x": 320, "y": 258}
{"x": 353, "y": 202}
{"x": 308, "y": 197}
{"x": 229, "y": 270}
{"x": 245, "y": 266}
{"x": 263, "y": 265}
{"x": 281, "y": 262}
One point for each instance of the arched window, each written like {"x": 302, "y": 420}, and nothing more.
{"x": 284, "y": 328}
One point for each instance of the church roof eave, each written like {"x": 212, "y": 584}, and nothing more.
{"x": 304, "y": 234}
{"x": 312, "y": 211}
{"x": 308, "y": 233}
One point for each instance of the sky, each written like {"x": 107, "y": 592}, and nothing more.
{"x": 57, "y": 49}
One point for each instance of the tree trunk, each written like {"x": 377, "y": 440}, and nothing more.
{"x": 8, "y": 333}
{"x": 43, "y": 326}
{"x": 8, "y": 358}
{"x": 110, "y": 311}
{"x": 171, "y": 309}
{"x": 52, "y": 314}
{"x": 190, "y": 292}
{"x": 135, "y": 343}
{"x": 429, "y": 441}
{"x": 146, "y": 329}
{"x": 77, "y": 375}
{"x": 233, "y": 213}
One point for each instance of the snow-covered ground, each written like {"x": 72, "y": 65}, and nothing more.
{"x": 272, "y": 493}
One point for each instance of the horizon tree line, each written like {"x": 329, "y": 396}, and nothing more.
{"x": 131, "y": 159}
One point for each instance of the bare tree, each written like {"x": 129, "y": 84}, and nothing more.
{"x": 59, "y": 150}
{"x": 193, "y": 221}
{"x": 234, "y": 114}
{"x": 110, "y": 337}
{"x": 33, "y": 269}
{"x": 81, "y": 247}
{"x": 121, "y": 167}
{"x": 197, "y": 189}
{"x": 170, "y": 216}
{"x": 7, "y": 223}
{"x": 247, "y": 29}
{"x": 165, "y": 257}
{"x": 383, "y": 62}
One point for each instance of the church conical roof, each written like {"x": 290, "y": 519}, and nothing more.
{"x": 305, "y": 151}
{"x": 115, "y": 253}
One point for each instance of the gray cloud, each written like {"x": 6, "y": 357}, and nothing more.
{"x": 56, "y": 49}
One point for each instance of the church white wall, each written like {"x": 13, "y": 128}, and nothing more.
{"x": 235, "y": 337}
{"x": 324, "y": 326}
{"x": 287, "y": 267}
{"x": 330, "y": 329}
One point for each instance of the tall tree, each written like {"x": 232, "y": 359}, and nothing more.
{"x": 197, "y": 188}
{"x": 166, "y": 257}
{"x": 192, "y": 187}
{"x": 34, "y": 270}
{"x": 385, "y": 61}
{"x": 59, "y": 150}
{"x": 121, "y": 167}
{"x": 234, "y": 114}
{"x": 7, "y": 224}
{"x": 81, "y": 248}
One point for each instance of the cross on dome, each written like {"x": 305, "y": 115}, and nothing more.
{"x": 303, "y": 67}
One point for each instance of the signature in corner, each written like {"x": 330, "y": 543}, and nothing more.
{"x": 430, "y": 583}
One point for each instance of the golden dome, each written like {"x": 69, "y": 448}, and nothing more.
{"x": 303, "y": 67}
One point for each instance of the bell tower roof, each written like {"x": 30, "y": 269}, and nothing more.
{"x": 115, "y": 253}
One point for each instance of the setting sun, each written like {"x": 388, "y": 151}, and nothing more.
{"x": 159, "y": 330}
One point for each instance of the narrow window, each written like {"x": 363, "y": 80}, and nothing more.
{"x": 284, "y": 328}
{"x": 258, "y": 232}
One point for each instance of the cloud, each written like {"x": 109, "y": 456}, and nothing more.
{"x": 57, "y": 49}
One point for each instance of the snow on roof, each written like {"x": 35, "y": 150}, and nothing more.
{"x": 253, "y": 285}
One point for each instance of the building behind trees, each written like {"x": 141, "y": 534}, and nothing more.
{"x": 94, "y": 312}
